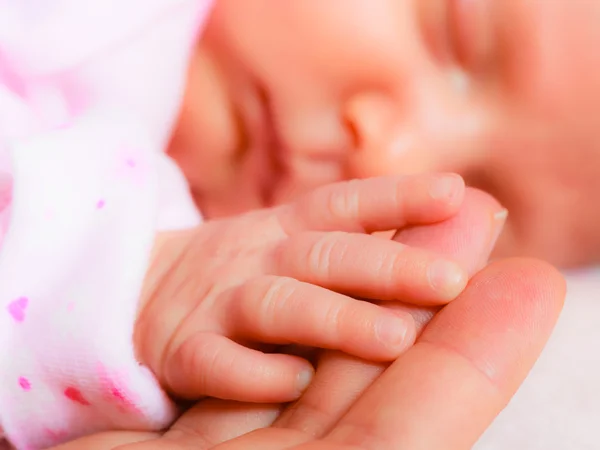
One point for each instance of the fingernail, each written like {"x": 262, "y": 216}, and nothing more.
{"x": 391, "y": 330}
{"x": 446, "y": 187}
{"x": 447, "y": 278}
{"x": 304, "y": 379}
{"x": 499, "y": 220}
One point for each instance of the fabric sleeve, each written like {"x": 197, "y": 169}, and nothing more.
{"x": 89, "y": 92}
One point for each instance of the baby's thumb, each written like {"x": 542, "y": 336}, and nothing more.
{"x": 468, "y": 237}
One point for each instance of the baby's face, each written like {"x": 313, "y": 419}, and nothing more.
{"x": 286, "y": 95}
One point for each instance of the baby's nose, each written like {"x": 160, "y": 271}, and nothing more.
{"x": 389, "y": 139}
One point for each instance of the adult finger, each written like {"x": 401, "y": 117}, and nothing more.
{"x": 108, "y": 440}
{"x": 340, "y": 379}
{"x": 213, "y": 421}
{"x": 265, "y": 439}
{"x": 376, "y": 204}
{"x": 206, "y": 425}
{"x": 445, "y": 391}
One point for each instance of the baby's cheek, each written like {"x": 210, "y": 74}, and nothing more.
{"x": 207, "y": 138}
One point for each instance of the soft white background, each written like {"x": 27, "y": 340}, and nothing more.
{"x": 558, "y": 406}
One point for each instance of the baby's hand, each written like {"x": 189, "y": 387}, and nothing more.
{"x": 285, "y": 275}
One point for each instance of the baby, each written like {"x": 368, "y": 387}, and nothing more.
{"x": 306, "y": 92}
{"x": 114, "y": 300}
{"x": 504, "y": 92}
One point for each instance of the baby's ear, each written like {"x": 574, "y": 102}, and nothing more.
{"x": 468, "y": 237}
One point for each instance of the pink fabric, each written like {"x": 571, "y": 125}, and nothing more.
{"x": 89, "y": 92}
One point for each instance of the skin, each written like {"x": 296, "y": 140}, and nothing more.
{"x": 290, "y": 275}
{"x": 284, "y": 96}
{"x": 475, "y": 353}
{"x": 295, "y": 98}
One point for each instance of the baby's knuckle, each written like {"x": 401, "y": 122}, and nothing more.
{"x": 344, "y": 201}
{"x": 277, "y": 293}
{"x": 335, "y": 316}
{"x": 325, "y": 252}
{"x": 195, "y": 356}
{"x": 400, "y": 198}
{"x": 392, "y": 265}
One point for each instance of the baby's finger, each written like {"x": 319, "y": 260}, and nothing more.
{"x": 208, "y": 364}
{"x": 285, "y": 311}
{"x": 376, "y": 204}
{"x": 468, "y": 238}
{"x": 369, "y": 267}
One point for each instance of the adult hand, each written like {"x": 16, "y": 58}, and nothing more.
{"x": 442, "y": 393}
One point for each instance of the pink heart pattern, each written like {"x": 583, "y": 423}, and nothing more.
{"x": 75, "y": 395}
{"x": 24, "y": 383}
{"x": 17, "y": 308}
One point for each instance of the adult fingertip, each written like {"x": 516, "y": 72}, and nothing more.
{"x": 503, "y": 319}
{"x": 536, "y": 286}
